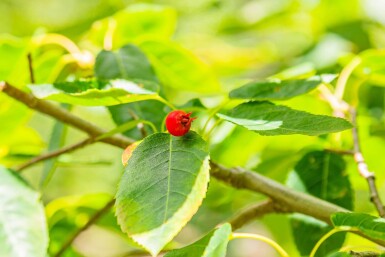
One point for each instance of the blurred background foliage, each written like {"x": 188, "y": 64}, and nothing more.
{"x": 217, "y": 46}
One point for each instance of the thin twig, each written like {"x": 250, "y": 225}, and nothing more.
{"x": 252, "y": 212}
{"x": 364, "y": 254}
{"x": 30, "y": 66}
{"x": 62, "y": 115}
{"x": 339, "y": 151}
{"x": 140, "y": 125}
{"x": 91, "y": 221}
{"x": 363, "y": 167}
{"x": 53, "y": 154}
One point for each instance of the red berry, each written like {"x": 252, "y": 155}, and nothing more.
{"x": 178, "y": 122}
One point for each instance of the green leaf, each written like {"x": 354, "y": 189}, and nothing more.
{"x": 151, "y": 110}
{"x": 371, "y": 226}
{"x": 162, "y": 187}
{"x": 321, "y": 174}
{"x": 372, "y": 67}
{"x": 23, "y": 230}
{"x": 56, "y": 141}
{"x": 138, "y": 22}
{"x": 269, "y": 119}
{"x": 214, "y": 244}
{"x": 13, "y": 66}
{"x": 129, "y": 62}
{"x": 275, "y": 90}
{"x": 66, "y": 215}
{"x": 179, "y": 69}
{"x": 96, "y": 93}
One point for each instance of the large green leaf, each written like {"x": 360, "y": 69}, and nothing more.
{"x": 372, "y": 227}
{"x": 129, "y": 62}
{"x": 23, "y": 230}
{"x": 162, "y": 187}
{"x": 269, "y": 119}
{"x": 321, "y": 174}
{"x": 214, "y": 244}
{"x": 107, "y": 68}
{"x": 179, "y": 69}
{"x": 96, "y": 93}
{"x": 137, "y": 22}
{"x": 275, "y": 90}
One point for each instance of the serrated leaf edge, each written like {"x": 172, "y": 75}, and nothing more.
{"x": 154, "y": 240}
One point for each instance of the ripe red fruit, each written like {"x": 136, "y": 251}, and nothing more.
{"x": 178, "y": 122}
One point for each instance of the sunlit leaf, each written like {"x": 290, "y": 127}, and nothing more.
{"x": 138, "y": 22}
{"x": 371, "y": 226}
{"x": 214, "y": 244}
{"x": 321, "y": 174}
{"x": 23, "y": 230}
{"x": 95, "y": 93}
{"x": 269, "y": 119}
{"x": 179, "y": 69}
{"x": 162, "y": 187}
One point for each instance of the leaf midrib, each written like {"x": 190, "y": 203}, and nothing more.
{"x": 168, "y": 180}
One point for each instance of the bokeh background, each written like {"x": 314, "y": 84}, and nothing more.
{"x": 239, "y": 41}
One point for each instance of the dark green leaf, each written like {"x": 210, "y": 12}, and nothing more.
{"x": 162, "y": 187}
{"x": 129, "y": 62}
{"x": 371, "y": 226}
{"x": 151, "y": 110}
{"x": 23, "y": 230}
{"x": 321, "y": 174}
{"x": 214, "y": 244}
{"x": 275, "y": 90}
{"x": 269, "y": 119}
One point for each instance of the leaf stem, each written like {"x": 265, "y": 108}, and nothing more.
{"x": 276, "y": 246}
{"x": 213, "y": 112}
{"x": 326, "y": 236}
{"x": 344, "y": 76}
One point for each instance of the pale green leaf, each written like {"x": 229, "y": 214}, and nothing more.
{"x": 214, "y": 244}
{"x": 138, "y": 22}
{"x": 269, "y": 119}
{"x": 94, "y": 93}
{"x": 23, "y": 230}
{"x": 162, "y": 187}
{"x": 179, "y": 69}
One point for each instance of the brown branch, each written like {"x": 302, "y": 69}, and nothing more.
{"x": 91, "y": 221}
{"x": 30, "y": 66}
{"x": 363, "y": 167}
{"x": 254, "y": 211}
{"x": 62, "y": 115}
{"x": 288, "y": 199}
{"x": 56, "y": 153}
